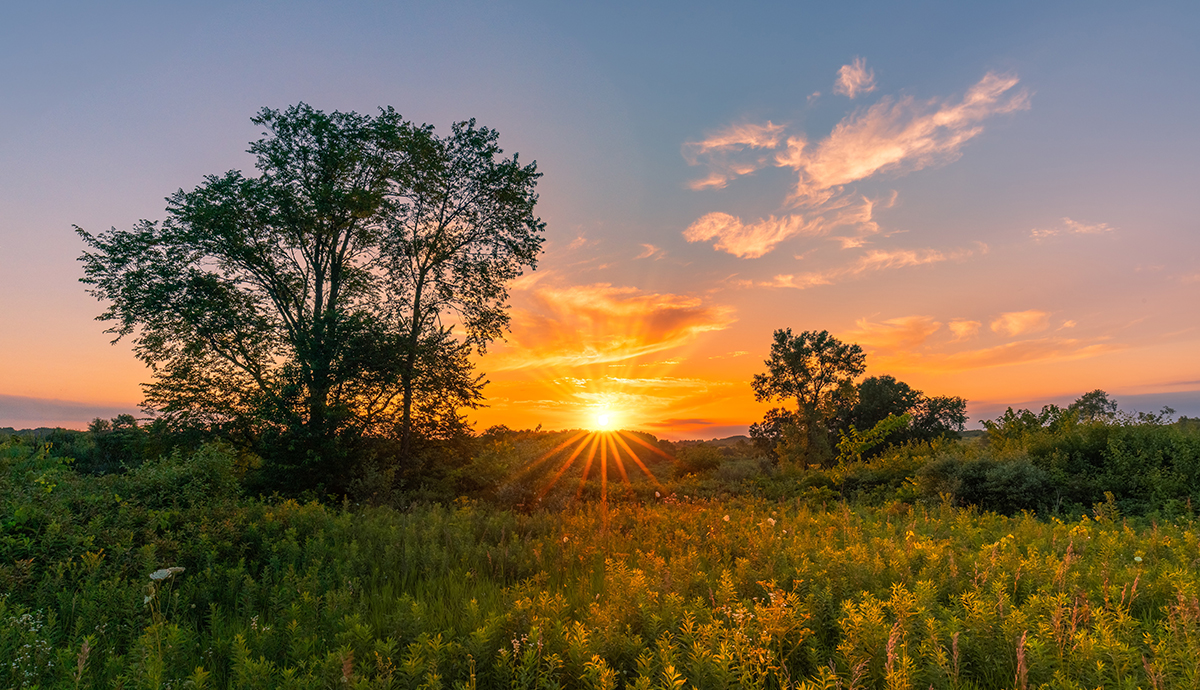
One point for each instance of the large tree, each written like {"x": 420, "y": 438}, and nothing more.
{"x": 338, "y": 292}
{"x": 814, "y": 370}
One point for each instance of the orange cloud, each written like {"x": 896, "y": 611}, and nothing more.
{"x": 1015, "y": 323}
{"x": 892, "y": 136}
{"x": 752, "y": 240}
{"x": 854, "y": 79}
{"x": 1022, "y": 351}
{"x": 589, "y": 324}
{"x": 963, "y": 329}
{"x": 907, "y": 343}
{"x": 872, "y": 260}
{"x": 748, "y": 241}
{"x": 1071, "y": 227}
{"x": 725, "y": 152}
{"x": 902, "y": 333}
{"x": 898, "y": 136}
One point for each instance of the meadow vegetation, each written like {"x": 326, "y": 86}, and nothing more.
{"x": 1057, "y": 550}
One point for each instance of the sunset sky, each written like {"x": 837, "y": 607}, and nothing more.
{"x": 1000, "y": 204}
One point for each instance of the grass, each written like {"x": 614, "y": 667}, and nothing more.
{"x": 649, "y": 592}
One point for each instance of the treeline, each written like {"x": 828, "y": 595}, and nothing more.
{"x": 1055, "y": 462}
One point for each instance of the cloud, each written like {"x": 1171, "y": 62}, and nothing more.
{"x": 599, "y": 323}
{"x": 895, "y": 136}
{"x": 872, "y": 260}
{"x": 902, "y": 333}
{"x": 729, "y": 153}
{"x": 896, "y": 343}
{"x": 1071, "y": 227}
{"x": 1018, "y": 352}
{"x": 649, "y": 251}
{"x": 752, "y": 240}
{"x": 744, "y": 240}
{"x": 854, "y": 79}
{"x": 1015, "y": 323}
{"x": 963, "y": 329}
{"x": 680, "y": 423}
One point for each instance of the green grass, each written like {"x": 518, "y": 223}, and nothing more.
{"x": 673, "y": 591}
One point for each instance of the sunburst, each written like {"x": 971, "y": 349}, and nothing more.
{"x": 597, "y": 451}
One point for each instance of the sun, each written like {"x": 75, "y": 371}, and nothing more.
{"x": 603, "y": 421}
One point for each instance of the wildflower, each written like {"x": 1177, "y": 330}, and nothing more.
{"x": 657, "y": 495}
{"x": 565, "y": 538}
{"x": 726, "y": 518}
{"x": 771, "y": 521}
{"x": 164, "y": 573}
{"x": 1137, "y": 559}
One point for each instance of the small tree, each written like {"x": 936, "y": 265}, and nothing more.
{"x": 1094, "y": 406}
{"x": 813, "y": 369}
{"x": 317, "y": 302}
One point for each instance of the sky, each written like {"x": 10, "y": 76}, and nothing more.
{"x": 996, "y": 201}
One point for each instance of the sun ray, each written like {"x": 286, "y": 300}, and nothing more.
{"x": 617, "y": 458}
{"x": 587, "y": 467}
{"x": 648, "y": 446}
{"x": 531, "y": 466}
{"x": 566, "y": 465}
{"x": 620, "y": 439}
{"x": 603, "y": 470}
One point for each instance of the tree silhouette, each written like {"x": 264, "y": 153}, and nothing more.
{"x": 335, "y": 295}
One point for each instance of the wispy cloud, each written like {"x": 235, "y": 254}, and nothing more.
{"x": 1016, "y": 323}
{"x": 911, "y": 342}
{"x": 963, "y": 329}
{"x": 893, "y": 136}
{"x": 729, "y": 153}
{"x": 1071, "y": 227}
{"x": 748, "y": 240}
{"x": 587, "y": 324}
{"x": 1021, "y": 351}
{"x": 902, "y": 333}
{"x": 751, "y": 240}
{"x": 897, "y": 136}
{"x": 854, "y": 79}
{"x": 649, "y": 251}
{"x": 871, "y": 260}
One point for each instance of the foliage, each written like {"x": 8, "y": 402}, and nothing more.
{"x": 645, "y": 592}
{"x": 812, "y": 369}
{"x": 314, "y": 303}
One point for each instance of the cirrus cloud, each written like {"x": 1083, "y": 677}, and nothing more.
{"x": 898, "y": 135}
{"x": 729, "y": 152}
{"x": 871, "y": 260}
{"x": 854, "y": 79}
{"x": 894, "y": 136}
{"x": 747, "y": 240}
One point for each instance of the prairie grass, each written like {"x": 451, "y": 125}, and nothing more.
{"x": 667, "y": 592}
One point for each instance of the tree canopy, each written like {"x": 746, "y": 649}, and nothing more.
{"x": 813, "y": 369}
{"x": 817, "y": 371}
{"x": 334, "y": 295}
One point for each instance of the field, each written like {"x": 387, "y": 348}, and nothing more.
{"x": 167, "y": 576}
